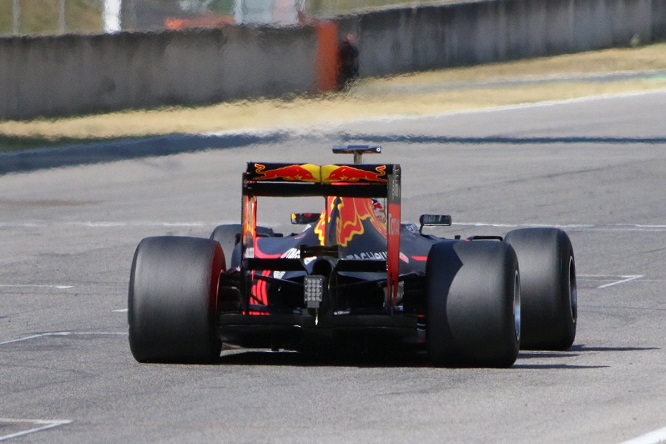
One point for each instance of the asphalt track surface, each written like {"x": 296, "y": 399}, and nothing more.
{"x": 595, "y": 167}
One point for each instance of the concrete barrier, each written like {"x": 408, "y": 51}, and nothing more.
{"x": 402, "y": 40}
{"x": 658, "y": 20}
{"x": 54, "y": 76}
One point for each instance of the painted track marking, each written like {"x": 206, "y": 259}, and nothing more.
{"x": 572, "y": 227}
{"x": 66, "y": 333}
{"x": 40, "y": 424}
{"x": 624, "y": 279}
{"x": 649, "y": 438}
{"x": 108, "y": 224}
{"x": 614, "y": 279}
{"x": 199, "y": 224}
{"x": 59, "y": 287}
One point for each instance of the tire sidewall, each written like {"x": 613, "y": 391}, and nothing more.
{"x": 548, "y": 285}
{"x": 471, "y": 317}
{"x": 172, "y": 300}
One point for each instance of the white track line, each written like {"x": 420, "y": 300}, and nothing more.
{"x": 573, "y": 227}
{"x": 107, "y": 224}
{"x": 66, "y": 333}
{"x": 59, "y": 287}
{"x": 199, "y": 224}
{"x": 622, "y": 281}
{"x": 655, "y": 437}
{"x": 615, "y": 279}
{"x": 42, "y": 424}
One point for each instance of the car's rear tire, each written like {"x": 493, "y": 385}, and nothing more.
{"x": 172, "y": 301}
{"x": 548, "y": 286}
{"x": 473, "y": 304}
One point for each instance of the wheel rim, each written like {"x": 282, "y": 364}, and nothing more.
{"x": 573, "y": 290}
{"x": 516, "y": 305}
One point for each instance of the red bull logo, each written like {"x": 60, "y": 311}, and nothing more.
{"x": 306, "y": 172}
{"x": 348, "y": 173}
{"x": 346, "y": 215}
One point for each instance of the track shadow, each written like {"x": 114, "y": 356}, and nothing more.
{"x": 498, "y": 140}
{"x": 405, "y": 358}
{"x": 124, "y": 149}
{"x": 295, "y": 359}
{"x": 523, "y": 361}
{"x": 577, "y": 350}
{"x": 518, "y": 365}
{"x": 574, "y": 351}
{"x": 134, "y": 148}
{"x": 529, "y": 354}
{"x": 585, "y": 348}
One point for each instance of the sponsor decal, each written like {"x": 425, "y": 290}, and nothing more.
{"x": 279, "y": 274}
{"x": 347, "y": 215}
{"x": 347, "y": 173}
{"x": 295, "y": 253}
{"x": 292, "y": 253}
{"x": 306, "y": 172}
{"x": 377, "y": 255}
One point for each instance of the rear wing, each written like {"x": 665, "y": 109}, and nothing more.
{"x": 343, "y": 180}
{"x": 346, "y": 180}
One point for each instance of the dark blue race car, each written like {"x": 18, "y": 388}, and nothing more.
{"x": 355, "y": 279}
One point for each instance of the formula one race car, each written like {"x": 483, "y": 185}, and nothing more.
{"x": 355, "y": 278}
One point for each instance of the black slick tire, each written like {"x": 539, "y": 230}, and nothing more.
{"x": 548, "y": 287}
{"x": 172, "y": 300}
{"x": 473, "y": 304}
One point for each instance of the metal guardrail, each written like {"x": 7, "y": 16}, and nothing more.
{"x": 52, "y": 17}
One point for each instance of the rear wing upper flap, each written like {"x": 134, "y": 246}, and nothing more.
{"x": 285, "y": 179}
{"x": 307, "y": 172}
